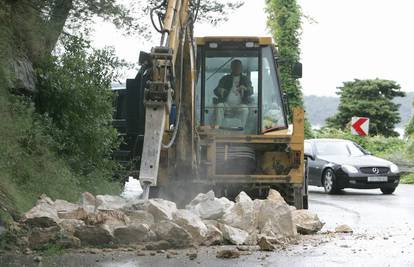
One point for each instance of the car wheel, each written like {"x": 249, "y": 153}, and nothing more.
{"x": 387, "y": 190}
{"x": 328, "y": 182}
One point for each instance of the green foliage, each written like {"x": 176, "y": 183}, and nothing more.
{"x": 409, "y": 129}
{"x": 369, "y": 98}
{"x": 74, "y": 93}
{"x": 407, "y": 179}
{"x": 378, "y": 145}
{"x": 284, "y": 22}
{"x": 32, "y": 159}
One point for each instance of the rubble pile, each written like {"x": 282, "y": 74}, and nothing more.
{"x": 105, "y": 220}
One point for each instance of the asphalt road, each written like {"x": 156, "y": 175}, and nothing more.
{"x": 383, "y": 236}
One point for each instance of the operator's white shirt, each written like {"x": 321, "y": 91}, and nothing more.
{"x": 234, "y": 97}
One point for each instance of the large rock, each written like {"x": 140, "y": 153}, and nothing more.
{"x": 306, "y": 222}
{"x": 67, "y": 210}
{"x": 108, "y": 202}
{"x": 274, "y": 217}
{"x": 343, "y": 228}
{"x": 265, "y": 244}
{"x": 43, "y": 214}
{"x": 88, "y": 202}
{"x": 70, "y": 225}
{"x": 139, "y": 216}
{"x": 201, "y": 198}
{"x": 192, "y": 223}
{"x": 41, "y": 236}
{"x": 208, "y": 207}
{"x": 242, "y": 215}
{"x": 214, "y": 236}
{"x": 234, "y": 235}
{"x": 161, "y": 209}
{"x": 275, "y": 196}
{"x": 173, "y": 233}
{"x": 67, "y": 240}
{"x": 94, "y": 235}
{"x": 133, "y": 234}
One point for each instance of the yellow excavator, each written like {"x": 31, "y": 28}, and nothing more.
{"x": 209, "y": 113}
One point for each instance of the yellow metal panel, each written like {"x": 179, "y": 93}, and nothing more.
{"x": 259, "y": 40}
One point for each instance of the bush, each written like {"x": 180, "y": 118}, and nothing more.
{"x": 75, "y": 94}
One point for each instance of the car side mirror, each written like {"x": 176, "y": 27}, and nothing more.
{"x": 309, "y": 156}
{"x": 297, "y": 70}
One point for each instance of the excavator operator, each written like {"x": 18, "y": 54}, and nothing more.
{"x": 233, "y": 92}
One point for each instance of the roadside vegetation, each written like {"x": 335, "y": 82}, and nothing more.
{"x": 59, "y": 144}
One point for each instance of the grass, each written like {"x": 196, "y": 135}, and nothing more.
{"x": 408, "y": 179}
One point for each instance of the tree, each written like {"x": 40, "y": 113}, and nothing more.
{"x": 284, "y": 22}
{"x": 372, "y": 99}
{"x": 30, "y": 29}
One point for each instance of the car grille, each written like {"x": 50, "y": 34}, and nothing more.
{"x": 369, "y": 170}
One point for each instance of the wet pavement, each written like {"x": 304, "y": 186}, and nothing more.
{"x": 383, "y": 236}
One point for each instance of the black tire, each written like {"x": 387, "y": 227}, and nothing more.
{"x": 329, "y": 182}
{"x": 387, "y": 190}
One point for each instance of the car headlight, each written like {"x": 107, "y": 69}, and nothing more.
{"x": 394, "y": 168}
{"x": 349, "y": 169}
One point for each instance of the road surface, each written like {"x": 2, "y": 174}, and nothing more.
{"x": 383, "y": 236}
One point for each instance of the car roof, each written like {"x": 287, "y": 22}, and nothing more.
{"x": 328, "y": 140}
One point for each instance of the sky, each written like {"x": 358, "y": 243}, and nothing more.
{"x": 344, "y": 40}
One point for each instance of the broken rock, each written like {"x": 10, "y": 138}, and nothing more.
{"x": 242, "y": 215}
{"x": 67, "y": 240}
{"x": 275, "y": 196}
{"x": 208, "y": 207}
{"x": 192, "y": 223}
{"x": 70, "y": 225}
{"x": 213, "y": 237}
{"x": 161, "y": 209}
{"x": 139, "y": 216}
{"x": 275, "y": 218}
{"x": 108, "y": 202}
{"x": 88, "y": 202}
{"x": 306, "y": 222}
{"x": 39, "y": 237}
{"x": 265, "y": 245}
{"x": 173, "y": 233}
{"x": 42, "y": 215}
{"x": 94, "y": 235}
{"x": 228, "y": 254}
{"x": 234, "y": 235}
{"x": 133, "y": 234}
{"x": 343, "y": 228}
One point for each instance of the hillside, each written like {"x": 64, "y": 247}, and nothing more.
{"x": 319, "y": 108}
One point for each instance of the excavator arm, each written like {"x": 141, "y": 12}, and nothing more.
{"x": 165, "y": 67}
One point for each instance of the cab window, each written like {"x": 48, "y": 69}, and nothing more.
{"x": 273, "y": 116}
{"x": 231, "y": 90}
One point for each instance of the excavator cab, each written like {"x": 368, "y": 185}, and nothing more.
{"x": 238, "y": 90}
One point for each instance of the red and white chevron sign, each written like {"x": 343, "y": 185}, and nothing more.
{"x": 360, "y": 126}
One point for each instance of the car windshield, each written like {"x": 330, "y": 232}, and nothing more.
{"x": 325, "y": 148}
